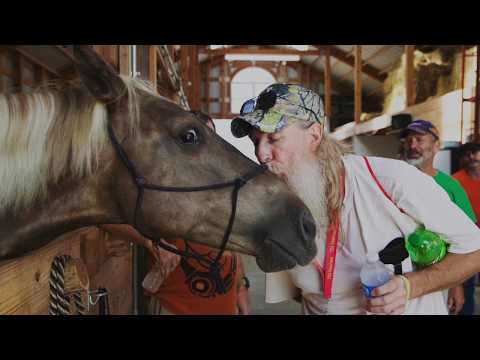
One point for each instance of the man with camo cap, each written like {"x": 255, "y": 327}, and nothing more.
{"x": 355, "y": 201}
{"x": 292, "y": 103}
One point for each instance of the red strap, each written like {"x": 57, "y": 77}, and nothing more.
{"x": 330, "y": 255}
{"x": 380, "y": 185}
{"x": 328, "y": 269}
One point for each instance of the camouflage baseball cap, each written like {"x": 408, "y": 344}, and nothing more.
{"x": 277, "y": 106}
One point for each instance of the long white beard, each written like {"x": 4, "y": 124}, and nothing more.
{"x": 308, "y": 181}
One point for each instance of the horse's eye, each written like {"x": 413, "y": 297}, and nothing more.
{"x": 189, "y": 137}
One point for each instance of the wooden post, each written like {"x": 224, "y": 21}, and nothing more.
{"x": 227, "y": 90}
{"x": 409, "y": 75}
{"x": 328, "y": 84}
{"x": 124, "y": 60}
{"x": 207, "y": 88}
{"x": 184, "y": 70}
{"x": 152, "y": 66}
{"x": 283, "y": 72}
{"x": 194, "y": 78}
{"x": 358, "y": 82}
{"x": 222, "y": 89}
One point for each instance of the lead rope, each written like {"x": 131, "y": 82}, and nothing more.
{"x": 59, "y": 301}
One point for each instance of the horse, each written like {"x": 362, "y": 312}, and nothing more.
{"x": 80, "y": 154}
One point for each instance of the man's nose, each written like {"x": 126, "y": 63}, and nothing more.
{"x": 412, "y": 145}
{"x": 264, "y": 153}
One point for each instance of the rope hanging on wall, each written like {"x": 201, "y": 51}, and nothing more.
{"x": 59, "y": 299}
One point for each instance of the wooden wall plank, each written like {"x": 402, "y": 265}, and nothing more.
{"x": 24, "y": 282}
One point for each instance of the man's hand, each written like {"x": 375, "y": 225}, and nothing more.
{"x": 243, "y": 301}
{"x": 165, "y": 259}
{"x": 456, "y": 299}
{"x": 165, "y": 263}
{"x": 390, "y": 298}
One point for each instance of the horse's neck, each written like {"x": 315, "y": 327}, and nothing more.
{"x": 73, "y": 205}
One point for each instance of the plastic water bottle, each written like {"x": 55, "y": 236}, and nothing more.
{"x": 374, "y": 274}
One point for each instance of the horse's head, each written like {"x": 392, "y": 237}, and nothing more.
{"x": 171, "y": 147}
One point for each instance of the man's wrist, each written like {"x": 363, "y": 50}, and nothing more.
{"x": 407, "y": 286}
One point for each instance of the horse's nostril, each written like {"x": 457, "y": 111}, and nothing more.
{"x": 307, "y": 226}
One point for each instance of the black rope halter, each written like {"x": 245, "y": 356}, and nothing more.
{"x": 142, "y": 185}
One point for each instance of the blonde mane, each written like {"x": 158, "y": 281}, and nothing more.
{"x": 51, "y": 134}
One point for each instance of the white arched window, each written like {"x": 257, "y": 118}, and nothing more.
{"x": 248, "y": 83}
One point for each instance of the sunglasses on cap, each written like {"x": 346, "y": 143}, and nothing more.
{"x": 266, "y": 101}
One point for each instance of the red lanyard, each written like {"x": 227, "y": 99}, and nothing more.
{"x": 330, "y": 253}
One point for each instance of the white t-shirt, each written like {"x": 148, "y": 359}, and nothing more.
{"x": 369, "y": 221}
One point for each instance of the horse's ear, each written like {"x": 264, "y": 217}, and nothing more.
{"x": 98, "y": 76}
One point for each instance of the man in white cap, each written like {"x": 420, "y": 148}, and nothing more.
{"x": 356, "y": 203}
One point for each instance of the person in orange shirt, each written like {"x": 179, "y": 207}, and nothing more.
{"x": 469, "y": 175}
{"x": 185, "y": 286}
{"x": 469, "y": 178}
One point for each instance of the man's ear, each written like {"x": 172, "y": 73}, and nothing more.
{"x": 437, "y": 146}
{"x": 315, "y": 133}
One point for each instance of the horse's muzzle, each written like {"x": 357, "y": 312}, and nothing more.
{"x": 288, "y": 246}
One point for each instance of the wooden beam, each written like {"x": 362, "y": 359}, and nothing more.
{"x": 409, "y": 75}
{"x": 35, "y": 61}
{"x": 152, "y": 65}
{"x": 260, "y": 51}
{"x": 195, "y": 78}
{"x": 365, "y": 61}
{"x": 65, "y": 52}
{"x": 222, "y": 89}
{"x": 283, "y": 72}
{"x": 358, "y": 82}
{"x": 328, "y": 84}
{"x": 350, "y": 54}
{"x": 207, "y": 88}
{"x": 124, "y": 60}
{"x": 228, "y": 91}
{"x": 184, "y": 70}
{"x": 369, "y": 70}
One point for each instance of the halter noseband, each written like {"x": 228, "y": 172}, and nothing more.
{"x": 142, "y": 185}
